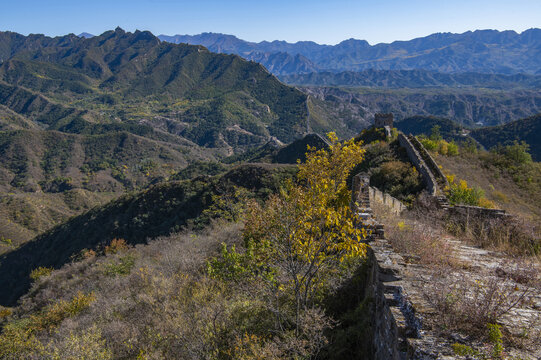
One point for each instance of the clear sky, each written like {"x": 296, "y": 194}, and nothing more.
{"x": 322, "y": 21}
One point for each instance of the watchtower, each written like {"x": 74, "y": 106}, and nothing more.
{"x": 382, "y": 120}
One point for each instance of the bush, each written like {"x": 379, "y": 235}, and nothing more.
{"x": 420, "y": 243}
{"x": 460, "y": 193}
{"x": 122, "y": 266}
{"x": 116, "y": 246}
{"x": 19, "y": 340}
{"x": 506, "y": 234}
{"x": 399, "y": 179}
{"x": 88, "y": 344}
{"x": 440, "y": 146}
{"x": 40, "y": 272}
{"x": 452, "y": 149}
{"x": 494, "y": 336}
{"x": 517, "y": 154}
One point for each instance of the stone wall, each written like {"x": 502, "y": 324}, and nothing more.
{"x": 417, "y": 160}
{"x": 381, "y": 120}
{"x": 430, "y": 162}
{"x": 392, "y": 317}
{"x": 399, "y": 309}
{"x": 394, "y": 204}
{"x": 436, "y": 181}
{"x": 465, "y": 212}
{"x": 386, "y": 341}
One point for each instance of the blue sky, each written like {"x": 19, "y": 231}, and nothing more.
{"x": 322, "y": 21}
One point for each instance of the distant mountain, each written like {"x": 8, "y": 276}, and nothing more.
{"x": 280, "y": 63}
{"x": 417, "y": 125}
{"x": 12, "y": 43}
{"x": 472, "y": 107}
{"x": 213, "y": 100}
{"x": 413, "y": 79}
{"x": 527, "y": 130}
{"x": 86, "y": 35}
{"x": 482, "y": 51}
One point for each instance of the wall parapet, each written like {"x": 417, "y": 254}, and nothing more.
{"x": 393, "y": 317}
{"x": 392, "y": 203}
{"x": 468, "y": 211}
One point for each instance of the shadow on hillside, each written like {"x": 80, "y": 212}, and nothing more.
{"x": 157, "y": 211}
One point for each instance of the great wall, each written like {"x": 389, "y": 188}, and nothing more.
{"x": 397, "y": 287}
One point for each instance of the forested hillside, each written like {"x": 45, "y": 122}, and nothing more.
{"x": 527, "y": 130}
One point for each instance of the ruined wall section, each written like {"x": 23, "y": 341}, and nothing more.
{"x": 436, "y": 181}
{"x": 393, "y": 318}
{"x": 430, "y": 162}
{"x": 392, "y": 203}
{"x": 417, "y": 160}
{"x": 397, "y": 326}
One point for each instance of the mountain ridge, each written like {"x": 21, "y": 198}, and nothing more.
{"x": 475, "y": 51}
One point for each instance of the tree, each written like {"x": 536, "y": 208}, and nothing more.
{"x": 435, "y": 134}
{"x": 306, "y": 232}
{"x": 518, "y": 153}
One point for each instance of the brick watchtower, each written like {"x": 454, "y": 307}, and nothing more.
{"x": 382, "y": 120}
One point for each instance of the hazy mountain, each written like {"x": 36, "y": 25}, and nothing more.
{"x": 467, "y": 106}
{"x": 414, "y": 79}
{"x": 86, "y": 35}
{"x": 484, "y": 51}
{"x": 283, "y": 63}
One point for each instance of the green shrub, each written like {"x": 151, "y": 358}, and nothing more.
{"x": 460, "y": 193}
{"x": 517, "y": 154}
{"x": 452, "y": 149}
{"x": 397, "y": 178}
{"x": 122, "y": 266}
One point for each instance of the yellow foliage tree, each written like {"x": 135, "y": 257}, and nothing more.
{"x": 309, "y": 229}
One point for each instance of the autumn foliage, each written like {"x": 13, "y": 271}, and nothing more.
{"x": 299, "y": 241}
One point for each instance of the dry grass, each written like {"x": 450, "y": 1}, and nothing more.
{"x": 158, "y": 301}
{"x": 160, "y": 306}
{"x": 510, "y": 235}
{"x": 470, "y": 304}
{"x": 415, "y": 240}
{"x": 466, "y": 303}
{"x": 498, "y": 186}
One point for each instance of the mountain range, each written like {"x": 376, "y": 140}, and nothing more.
{"x": 418, "y": 78}
{"x": 83, "y": 120}
{"x": 481, "y": 51}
